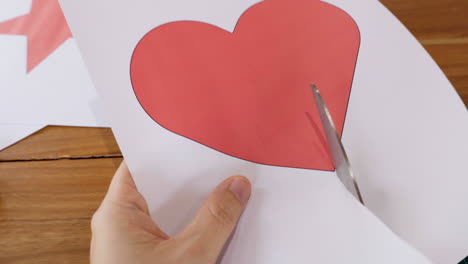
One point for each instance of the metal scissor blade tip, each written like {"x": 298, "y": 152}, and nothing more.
{"x": 314, "y": 88}
{"x": 338, "y": 153}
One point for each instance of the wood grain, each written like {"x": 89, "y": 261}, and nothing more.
{"x": 433, "y": 20}
{"x": 46, "y": 207}
{"x": 55, "y": 142}
{"x": 46, "y": 242}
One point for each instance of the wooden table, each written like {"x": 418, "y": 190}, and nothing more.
{"x": 51, "y": 182}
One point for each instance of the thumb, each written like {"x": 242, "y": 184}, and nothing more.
{"x": 218, "y": 217}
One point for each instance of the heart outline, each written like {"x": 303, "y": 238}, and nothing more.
{"x": 233, "y": 33}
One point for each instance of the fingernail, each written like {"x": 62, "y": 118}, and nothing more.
{"x": 241, "y": 188}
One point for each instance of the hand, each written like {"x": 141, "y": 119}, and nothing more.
{"x": 124, "y": 233}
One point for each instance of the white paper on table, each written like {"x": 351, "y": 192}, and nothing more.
{"x": 405, "y": 134}
{"x": 58, "y": 91}
{"x": 12, "y": 133}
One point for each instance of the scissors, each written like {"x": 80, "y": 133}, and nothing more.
{"x": 338, "y": 153}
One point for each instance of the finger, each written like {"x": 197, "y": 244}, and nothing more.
{"x": 218, "y": 217}
{"x": 122, "y": 177}
{"x": 124, "y": 198}
{"x": 124, "y": 191}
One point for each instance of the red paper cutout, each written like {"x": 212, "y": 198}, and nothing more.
{"x": 45, "y": 27}
{"x": 247, "y": 93}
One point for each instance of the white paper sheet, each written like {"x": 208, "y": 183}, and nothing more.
{"x": 405, "y": 133}
{"x": 12, "y": 133}
{"x": 58, "y": 91}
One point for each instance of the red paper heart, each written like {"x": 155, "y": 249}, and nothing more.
{"x": 247, "y": 93}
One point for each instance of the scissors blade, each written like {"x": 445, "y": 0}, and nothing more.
{"x": 340, "y": 159}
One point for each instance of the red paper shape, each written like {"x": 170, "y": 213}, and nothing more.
{"x": 247, "y": 93}
{"x": 45, "y": 27}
